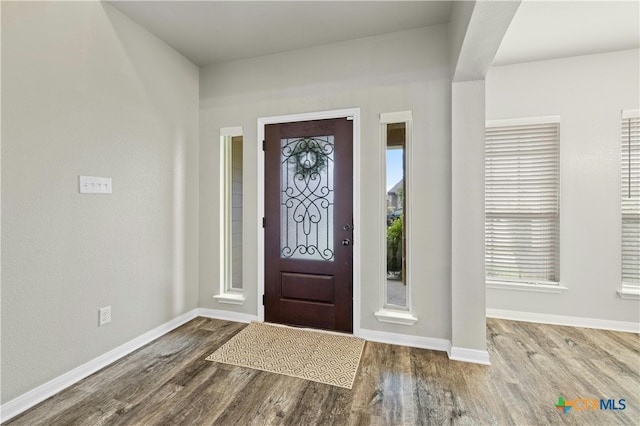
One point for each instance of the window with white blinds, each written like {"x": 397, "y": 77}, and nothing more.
{"x": 522, "y": 206}
{"x": 631, "y": 199}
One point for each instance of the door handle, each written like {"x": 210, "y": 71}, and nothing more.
{"x": 346, "y": 242}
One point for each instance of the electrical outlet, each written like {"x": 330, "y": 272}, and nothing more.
{"x": 104, "y": 316}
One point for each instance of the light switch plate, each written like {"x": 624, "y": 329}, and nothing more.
{"x": 95, "y": 185}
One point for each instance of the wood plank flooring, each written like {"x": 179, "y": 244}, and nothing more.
{"x": 168, "y": 382}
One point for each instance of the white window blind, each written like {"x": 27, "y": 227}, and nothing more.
{"x": 631, "y": 200}
{"x": 522, "y": 203}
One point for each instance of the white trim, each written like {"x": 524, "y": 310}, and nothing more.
{"x": 630, "y": 113}
{"x": 357, "y": 217}
{"x": 628, "y": 295}
{"x": 231, "y": 131}
{"x": 535, "y": 287}
{"x": 226, "y": 315}
{"x": 227, "y": 293}
{"x": 230, "y": 298}
{"x": 396, "y": 317}
{"x": 259, "y": 228}
{"x": 50, "y": 388}
{"x": 408, "y": 214}
{"x": 629, "y": 292}
{"x": 469, "y": 355}
{"x": 350, "y": 113}
{"x": 405, "y": 340}
{"x": 455, "y": 354}
{"x": 387, "y": 312}
{"x": 396, "y": 117}
{"x": 382, "y": 218}
{"x": 599, "y": 324}
{"x": 223, "y": 205}
{"x": 523, "y": 121}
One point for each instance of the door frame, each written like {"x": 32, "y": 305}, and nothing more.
{"x": 354, "y": 114}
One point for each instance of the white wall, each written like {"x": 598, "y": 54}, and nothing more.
{"x": 407, "y": 70}
{"x": 87, "y": 92}
{"x": 588, "y": 92}
{"x": 476, "y": 29}
{"x": 461, "y": 14}
{"x": 468, "y": 320}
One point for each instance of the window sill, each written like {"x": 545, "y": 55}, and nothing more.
{"x": 230, "y": 298}
{"x": 629, "y": 292}
{"x": 396, "y": 317}
{"x": 539, "y": 288}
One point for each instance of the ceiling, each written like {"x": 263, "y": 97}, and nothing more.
{"x": 209, "y": 32}
{"x": 554, "y": 29}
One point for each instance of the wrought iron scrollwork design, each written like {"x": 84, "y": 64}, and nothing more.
{"x": 307, "y": 198}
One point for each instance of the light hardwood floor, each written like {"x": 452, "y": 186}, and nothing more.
{"x": 169, "y": 382}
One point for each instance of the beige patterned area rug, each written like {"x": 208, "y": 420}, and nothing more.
{"x": 318, "y": 356}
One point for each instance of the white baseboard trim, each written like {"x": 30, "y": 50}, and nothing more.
{"x": 405, "y": 340}
{"x": 50, "y": 388}
{"x": 630, "y": 327}
{"x": 226, "y": 315}
{"x": 469, "y": 355}
{"x": 455, "y": 354}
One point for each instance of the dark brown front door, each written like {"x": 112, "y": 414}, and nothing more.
{"x": 309, "y": 224}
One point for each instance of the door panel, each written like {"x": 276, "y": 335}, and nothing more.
{"x": 318, "y": 288}
{"x": 308, "y": 224}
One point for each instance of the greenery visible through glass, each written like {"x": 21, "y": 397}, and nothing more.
{"x": 395, "y": 199}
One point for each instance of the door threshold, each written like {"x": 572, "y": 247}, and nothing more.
{"x": 319, "y": 330}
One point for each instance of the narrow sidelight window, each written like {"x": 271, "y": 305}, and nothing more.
{"x": 395, "y": 246}
{"x": 396, "y": 197}
{"x": 236, "y": 213}
{"x": 231, "y": 191}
